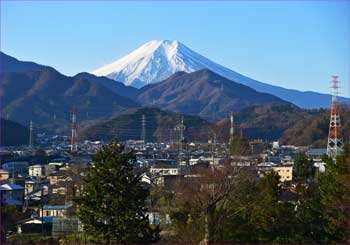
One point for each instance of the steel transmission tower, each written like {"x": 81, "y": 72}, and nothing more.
{"x": 335, "y": 140}
{"x": 180, "y": 128}
{"x": 143, "y": 132}
{"x": 31, "y": 133}
{"x": 232, "y": 128}
{"x": 74, "y": 144}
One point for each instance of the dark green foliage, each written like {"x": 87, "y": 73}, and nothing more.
{"x": 334, "y": 186}
{"x": 10, "y": 215}
{"x": 112, "y": 207}
{"x": 303, "y": 169}
{"x": 258, "y": 208}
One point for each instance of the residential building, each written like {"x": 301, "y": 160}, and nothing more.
{"x": 12, "y": 194}
{"x": 36, "y": 170}
{"x": 55, "y": 211}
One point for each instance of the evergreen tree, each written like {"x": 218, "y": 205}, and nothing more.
{"x": 303, "y": 171}
{"x": 308, "y": 213}
{"x": 258, "y": 208}
{"x": 334, "y": 187}
{"x": 112, "y": 206}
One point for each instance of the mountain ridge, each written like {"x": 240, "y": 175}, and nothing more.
{"x": 157, "y": 60}
{"x": 203, "y": 93}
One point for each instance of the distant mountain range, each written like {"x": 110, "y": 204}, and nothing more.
{"x": 202, "y": 93}
{"x": 159, "y": 126}
{"x": 157, "y": 60}
{"x": 13, "y": 134}
{"x": 11, "y": 64}
{"x": 42, "y": 94}
{"x": 287, "y": 123}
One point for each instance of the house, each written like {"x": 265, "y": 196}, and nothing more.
{"x": 16, "y": 167}
{"x": 36, "y": 170}
{"x": 12, "y": 194}
{"x": 55, "y": 211}
{"x": 164, "y": 169}
{"x": 64, "y": 226}
{"x": 285, "y": 172}
{"x": 166, "y": 181}
{"x": 316, "y": 153}
{"x": 32, "y": 185}
{"x": 4, "y": 175}
{"x": 287, "y": 160}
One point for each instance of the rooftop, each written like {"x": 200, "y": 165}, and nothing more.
{"x": 55, "y": 207}
{"x": 9, "y": 187}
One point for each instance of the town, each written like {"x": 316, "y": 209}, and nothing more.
{"x": 40, "y": 181}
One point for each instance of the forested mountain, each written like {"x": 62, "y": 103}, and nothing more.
{"x": 13, "y": 134}
{"x": 203, "y": 93}
{"x": 287, "y": 123}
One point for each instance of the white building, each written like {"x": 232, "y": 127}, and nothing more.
{"x": 55, "y": 211}
{"x": 161, "y": 170}
{"x": 36, "y": 170}
{"x": 285, "y": 171}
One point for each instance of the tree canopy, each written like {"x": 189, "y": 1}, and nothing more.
{"x": 112, "y": 205}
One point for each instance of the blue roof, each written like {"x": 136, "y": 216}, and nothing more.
{"x": 317, "y": 151}
{"x": 55, "y": 207}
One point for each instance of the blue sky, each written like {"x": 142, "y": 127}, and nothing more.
{"x": 291, "y": 44}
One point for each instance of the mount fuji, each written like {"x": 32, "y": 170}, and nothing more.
{"x": 157, "y": 60}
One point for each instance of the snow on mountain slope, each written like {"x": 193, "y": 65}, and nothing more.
{"x": 156, "y": 61}
{"x": 159, "y": 59}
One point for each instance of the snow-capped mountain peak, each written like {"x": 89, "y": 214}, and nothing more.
{"x": 154, "y": 61}
{"x": 157, "y": 60}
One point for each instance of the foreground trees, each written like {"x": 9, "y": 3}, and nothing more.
{"x": 229, "y": 205}
{"x": 203, "y": 200}
{"x": 334, "y": 189}
{"x": 112, "y": 206}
